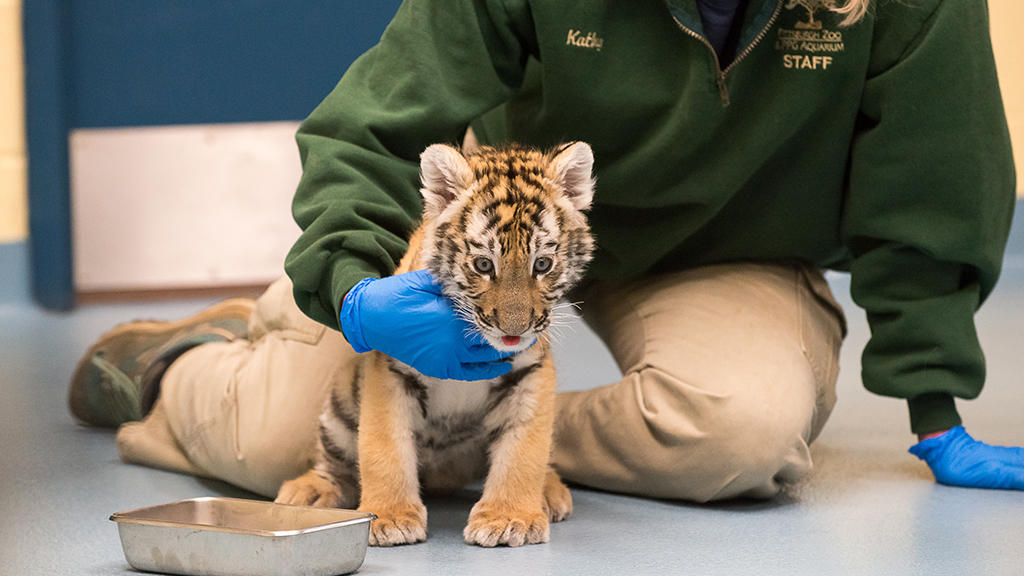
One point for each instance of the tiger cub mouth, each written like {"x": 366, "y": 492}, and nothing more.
{"x": 507, "y": 343}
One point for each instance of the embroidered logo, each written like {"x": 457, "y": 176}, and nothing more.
{"x": 811, "y": 6}
{"x": 591, "y": 40}
{"x": 809, "y": 45}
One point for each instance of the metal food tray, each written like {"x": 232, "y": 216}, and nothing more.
{"x": 230, "y": 536}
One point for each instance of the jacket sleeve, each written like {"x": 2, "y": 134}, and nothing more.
{"x": 439, "y": 64}
{"x": 929, "y": 204}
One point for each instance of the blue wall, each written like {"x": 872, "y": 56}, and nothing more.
{"x": 108, "y": 63}
{"x": 201, "y": 61}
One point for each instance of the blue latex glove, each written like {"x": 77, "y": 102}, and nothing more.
{"x": 956, "y": 459}
{"x": 406, "y": 317}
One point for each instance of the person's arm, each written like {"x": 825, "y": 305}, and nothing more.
{"x": 930, "y": 199}
{"x": 439, "y": 65}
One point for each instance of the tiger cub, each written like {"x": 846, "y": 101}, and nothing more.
{"x": 392, "y": 429}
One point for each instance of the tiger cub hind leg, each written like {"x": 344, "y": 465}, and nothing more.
{"x": 334, "y": 481}
{"x": 317, "y": 489}
{"x": 557, "y": 498}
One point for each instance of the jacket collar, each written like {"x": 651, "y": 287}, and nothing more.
{"x": 758, "y": 14}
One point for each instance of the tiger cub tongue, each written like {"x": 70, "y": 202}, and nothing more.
{"x": 510, "y": 340}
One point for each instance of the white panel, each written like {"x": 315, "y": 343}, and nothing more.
{"x": 182, "y": 206}
{"x": 13, "y": 168}
{"x": 1008, "y": 43}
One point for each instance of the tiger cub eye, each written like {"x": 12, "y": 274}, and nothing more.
{"x": 483, "y": 265}
{"x": 541, "y": 265}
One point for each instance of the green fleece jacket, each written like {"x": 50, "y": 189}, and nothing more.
{"x": 880, "y": 148}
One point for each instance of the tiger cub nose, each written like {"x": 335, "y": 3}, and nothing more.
{"x": 514, "y": 322}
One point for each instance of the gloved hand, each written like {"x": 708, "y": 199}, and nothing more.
{"x": 956, "y": 459}
{"x": 406, "y": 317}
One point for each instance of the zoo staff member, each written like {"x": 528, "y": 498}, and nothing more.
{"x": 741, "y": 147}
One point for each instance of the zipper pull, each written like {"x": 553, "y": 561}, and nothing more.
{"x": 723, "y": 90}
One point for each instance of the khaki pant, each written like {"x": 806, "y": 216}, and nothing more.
{"x": 729, "y": 374}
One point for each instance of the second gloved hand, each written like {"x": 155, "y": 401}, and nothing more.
{"x": 406, "y": 317}
{"x": 956, "y": 459}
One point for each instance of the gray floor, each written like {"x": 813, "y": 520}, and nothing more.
{"x": 869, "y": 507}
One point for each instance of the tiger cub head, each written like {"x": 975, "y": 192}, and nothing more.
{"x": 505, "y": 235}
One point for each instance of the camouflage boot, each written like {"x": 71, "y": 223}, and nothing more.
{"x": 118, "y": 378}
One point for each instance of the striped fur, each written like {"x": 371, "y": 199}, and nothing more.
{"x": 392, "y": 431}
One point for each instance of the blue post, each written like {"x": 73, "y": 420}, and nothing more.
{"x": 46, "y": 107}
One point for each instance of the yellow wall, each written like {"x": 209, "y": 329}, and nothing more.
{"x": 1006, "y": 16}
{"x": 1009, "y": 46}
{"x": 13, "y": 200}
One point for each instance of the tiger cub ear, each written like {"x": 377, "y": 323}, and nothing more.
{"x": 571, "y": 166}
{"x": 444, "y": 174}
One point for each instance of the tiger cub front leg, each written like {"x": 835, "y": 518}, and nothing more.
{"x": 387, "y": 457}
{"x": 513, "y": 509}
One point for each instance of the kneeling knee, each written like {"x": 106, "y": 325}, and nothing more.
{"x": 743, "y": 452}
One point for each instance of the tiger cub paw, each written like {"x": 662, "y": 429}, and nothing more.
{"x": 491, "y": 526}
{"x": 557, "y": 499}
{"x": 396, "y": 525}
{"x": 311, "y": 489}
